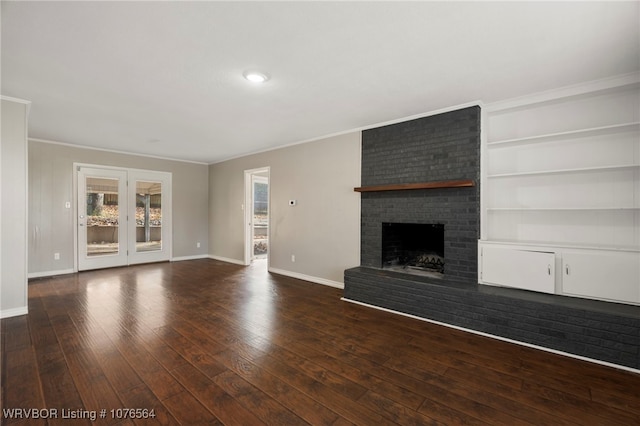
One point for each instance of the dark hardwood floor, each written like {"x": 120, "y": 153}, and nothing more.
{"x": 204, "y": 342}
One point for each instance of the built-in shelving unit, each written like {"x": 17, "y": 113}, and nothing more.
{"x": 560, "y": 173}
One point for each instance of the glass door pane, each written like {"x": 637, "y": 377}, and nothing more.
{"x": 150, "y": 205}
{"x": 148, "y": 216}
{"x": 102, "y": 218}
{"x": 260, "y": 221}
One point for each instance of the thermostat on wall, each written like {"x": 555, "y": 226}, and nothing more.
{"x": 293, "y": 202}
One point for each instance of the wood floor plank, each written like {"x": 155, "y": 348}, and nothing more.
{"x": 298, "y": 402}
{"x": 330, "y": 399}
{"x": 117, "y": 370}
{"x": 208, "y": 342}
{"x": 621, "y": 401}
{"x": 222, "y": 405}
{"x": 331, "y": 380}
{"x": 152, "y": 373}
{"x": 578, "y": 371}
{"x": 576, "y": 405}
{"x": 164, "y": 354}
{"x": 15, "y": 334}
{"x": 396, "y": 412}
{"x": 526, "y": 407}
{"x": 502, "y": 404}
{"x": 94, "y": 388}
{"x": 441, "y": 391}
{"x": 380, "y": 371}
{"x": 358, "y": 375}
{"x": 140, "y": 397}
{"x": 190, "y": 351}
{"x": 21, "y": 386}
{"x": 450, "y": 416}
{"x": 261, "y": 404}
{"x": 187, "y": 410}
{"x": 58, "y": 386}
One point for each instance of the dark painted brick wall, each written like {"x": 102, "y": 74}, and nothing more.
{"x": 439, "y": 147}
{"x": 435, "y": 148}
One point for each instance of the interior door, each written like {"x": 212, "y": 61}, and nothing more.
{"x": 102, "y": 218}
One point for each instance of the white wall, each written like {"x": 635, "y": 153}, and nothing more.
{"x": 51, "y": 186}
{"x": 322, "y": 230}
{"x": 13, "y": 227}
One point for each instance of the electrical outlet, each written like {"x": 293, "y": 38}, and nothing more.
{"x": 56, "y": 256}
{"x": 293, "y": 258}
{"x": 198, "y": 244}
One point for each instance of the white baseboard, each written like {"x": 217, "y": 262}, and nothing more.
{"x": 8, "y": 313}
{"x": 493, "y": 336}
{"x": 50, "y": 273}
{"x": 227, "y": 259}
{"x": 310, "y": 278}
{"x": 194, "y": 257}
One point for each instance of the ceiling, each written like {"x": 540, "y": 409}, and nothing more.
{"x": 165, "y": 78}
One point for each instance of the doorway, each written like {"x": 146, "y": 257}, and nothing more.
{"x": 123, "y": 217}
{"x": 257, "y": 215}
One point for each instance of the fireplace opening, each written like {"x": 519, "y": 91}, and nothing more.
{"x": 413, "y": 248}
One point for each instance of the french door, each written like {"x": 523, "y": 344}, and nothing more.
{"x": 123, "y": 217}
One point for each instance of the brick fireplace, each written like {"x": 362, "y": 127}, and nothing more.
{"x": 440, "y": 148}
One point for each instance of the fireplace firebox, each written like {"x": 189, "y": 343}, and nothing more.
{"x": 413, "y": 248}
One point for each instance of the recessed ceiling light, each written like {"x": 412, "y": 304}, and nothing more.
{"x": 255, "y": 76}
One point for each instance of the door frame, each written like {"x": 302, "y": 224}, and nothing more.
{"x": 248, "y": 213}
{"x": 167, "y": 212}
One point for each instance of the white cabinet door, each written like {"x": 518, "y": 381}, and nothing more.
{"x": 525, "y": 269}
{"x": 606, "y": 275}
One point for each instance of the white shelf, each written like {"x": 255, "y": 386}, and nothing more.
{"x": 552, "y": 209}
{"x": 616, "y": 128}
{"x": 555, "y": 245}
{"x": 564, "y": 171}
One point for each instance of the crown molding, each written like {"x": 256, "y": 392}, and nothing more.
{"x": 113, "y": 151}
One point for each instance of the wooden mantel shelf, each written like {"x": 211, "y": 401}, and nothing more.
{"x": 424, "y": 185}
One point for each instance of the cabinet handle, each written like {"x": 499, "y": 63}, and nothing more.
{"x": 549, "y": 269}
{"x": 566, "y": 269}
